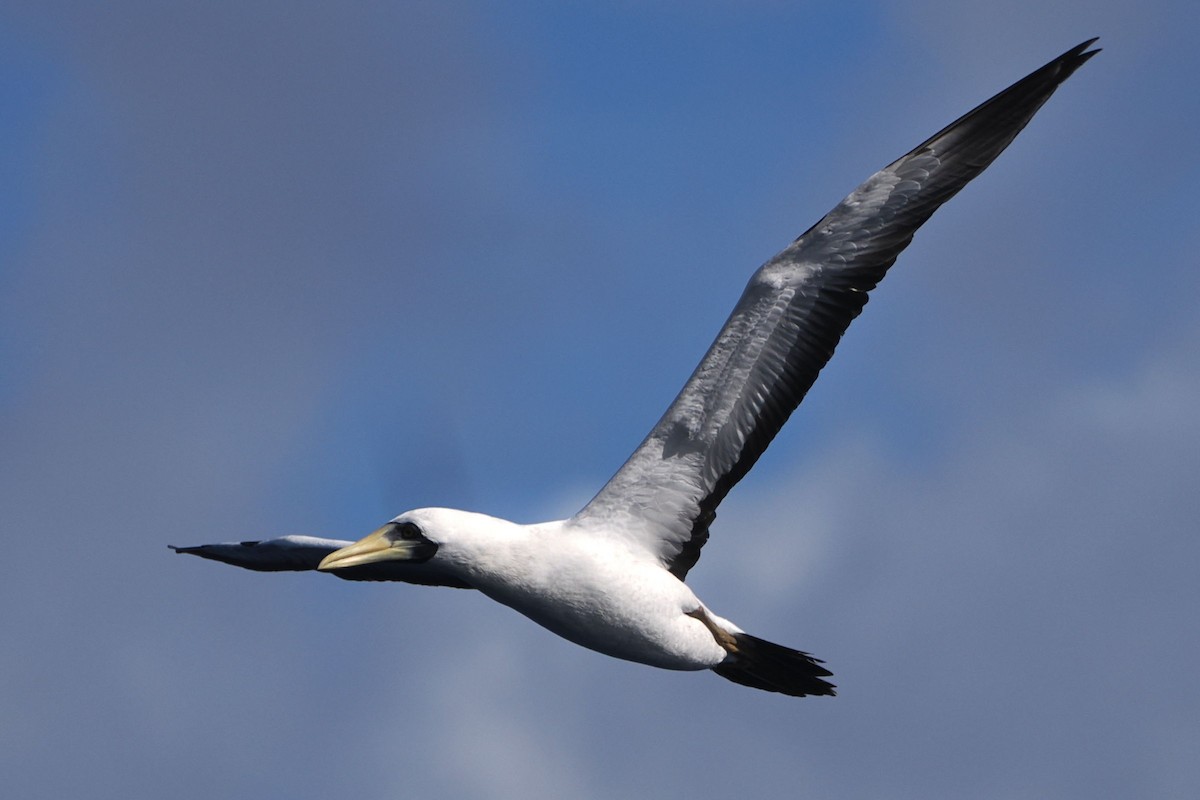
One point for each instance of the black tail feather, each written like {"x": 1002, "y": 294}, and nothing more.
{"x": 774, "y": 668}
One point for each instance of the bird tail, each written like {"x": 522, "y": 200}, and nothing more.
{"x": 762, "y": 665}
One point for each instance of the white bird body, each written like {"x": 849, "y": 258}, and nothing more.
{"x": 587, "y": 586}
{"x": 611, "y": 578}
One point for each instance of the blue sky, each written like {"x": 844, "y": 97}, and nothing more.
{"x": 295, "y": 268}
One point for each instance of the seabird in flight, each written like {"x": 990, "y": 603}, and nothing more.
{"x": 611, "y": 578}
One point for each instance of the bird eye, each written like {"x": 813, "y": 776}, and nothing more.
{"x": 408, "y": 531}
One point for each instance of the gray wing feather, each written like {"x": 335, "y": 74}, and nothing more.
{"x": 787, "y": 323}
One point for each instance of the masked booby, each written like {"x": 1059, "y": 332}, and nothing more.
{"x": 611, "y": 578}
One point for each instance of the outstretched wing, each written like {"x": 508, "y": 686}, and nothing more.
{"x": 787, "y": 323}
{"x": 302, "y": 553}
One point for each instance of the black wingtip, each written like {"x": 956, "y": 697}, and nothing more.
{"x": 200, "y": 550}
{"x": 1066, "y": 64}
{"x": 1080, "y": 51}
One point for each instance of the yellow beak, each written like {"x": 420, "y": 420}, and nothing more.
{"x": 382, "y": 545}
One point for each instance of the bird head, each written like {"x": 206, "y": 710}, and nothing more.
{"x": 437, "y": 537}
